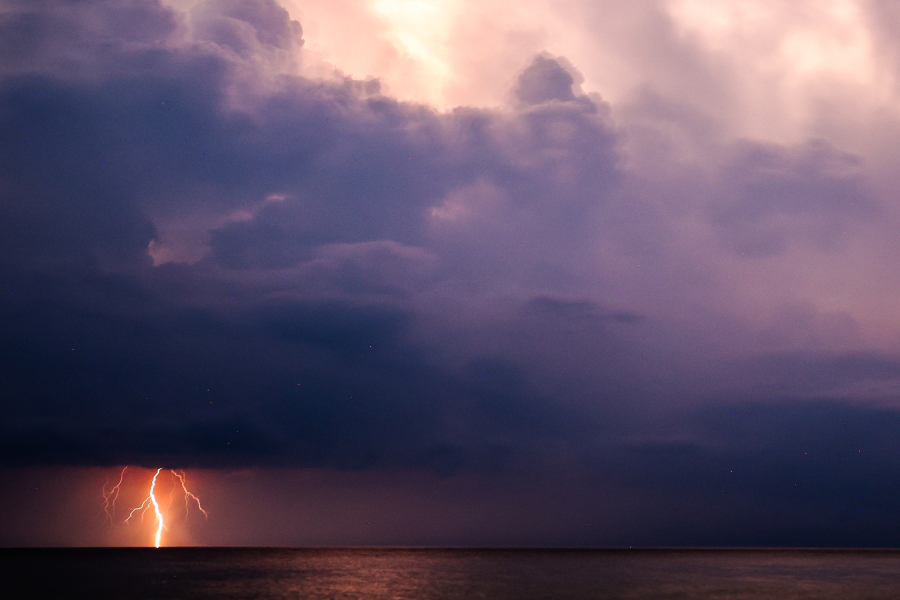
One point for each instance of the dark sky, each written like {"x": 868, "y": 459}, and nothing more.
{"x": 666, "y": 318}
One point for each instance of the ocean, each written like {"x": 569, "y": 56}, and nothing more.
{"x": 490, "y": 574}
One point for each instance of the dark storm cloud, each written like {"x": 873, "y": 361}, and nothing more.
{"x": 777, "y": 195}
{"x": 240, "y": 25}
{"x": 579, "y": 310}
{"x": 809, "y": 473}
{"x": 543, "y": 81}
{"x": 210, "y": 261}
{"x": 843, "y": 375}
{"x": 322, "y": 384}
{"x": 72, "y": 38}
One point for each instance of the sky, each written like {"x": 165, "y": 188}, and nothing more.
{"x": 451, "y": 272}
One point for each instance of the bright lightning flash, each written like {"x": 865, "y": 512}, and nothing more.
{"x": 179, "y": 482}
{"x": 110, "y": 497}
{"x": 182, "y": 479}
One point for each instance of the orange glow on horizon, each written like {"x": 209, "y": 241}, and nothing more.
{"x": 179, "y": 481}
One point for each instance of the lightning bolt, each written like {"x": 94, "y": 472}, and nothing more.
{"x": 179, "y": 480}
{"x": 110, "y": 497}
{"x": 182, "y": 479}
{"x": 160, "y": 523}
{"x": 147, "y": 503}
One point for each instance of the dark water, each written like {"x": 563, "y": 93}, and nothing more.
{"x": 470, "y": 574}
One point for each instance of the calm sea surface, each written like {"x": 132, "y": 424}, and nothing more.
{"x": 470, "y": 574}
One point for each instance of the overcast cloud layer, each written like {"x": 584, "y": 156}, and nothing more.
{"x": 219, "y": 250}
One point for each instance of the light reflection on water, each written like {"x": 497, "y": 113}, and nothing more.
{"x": 453, "y": 574}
